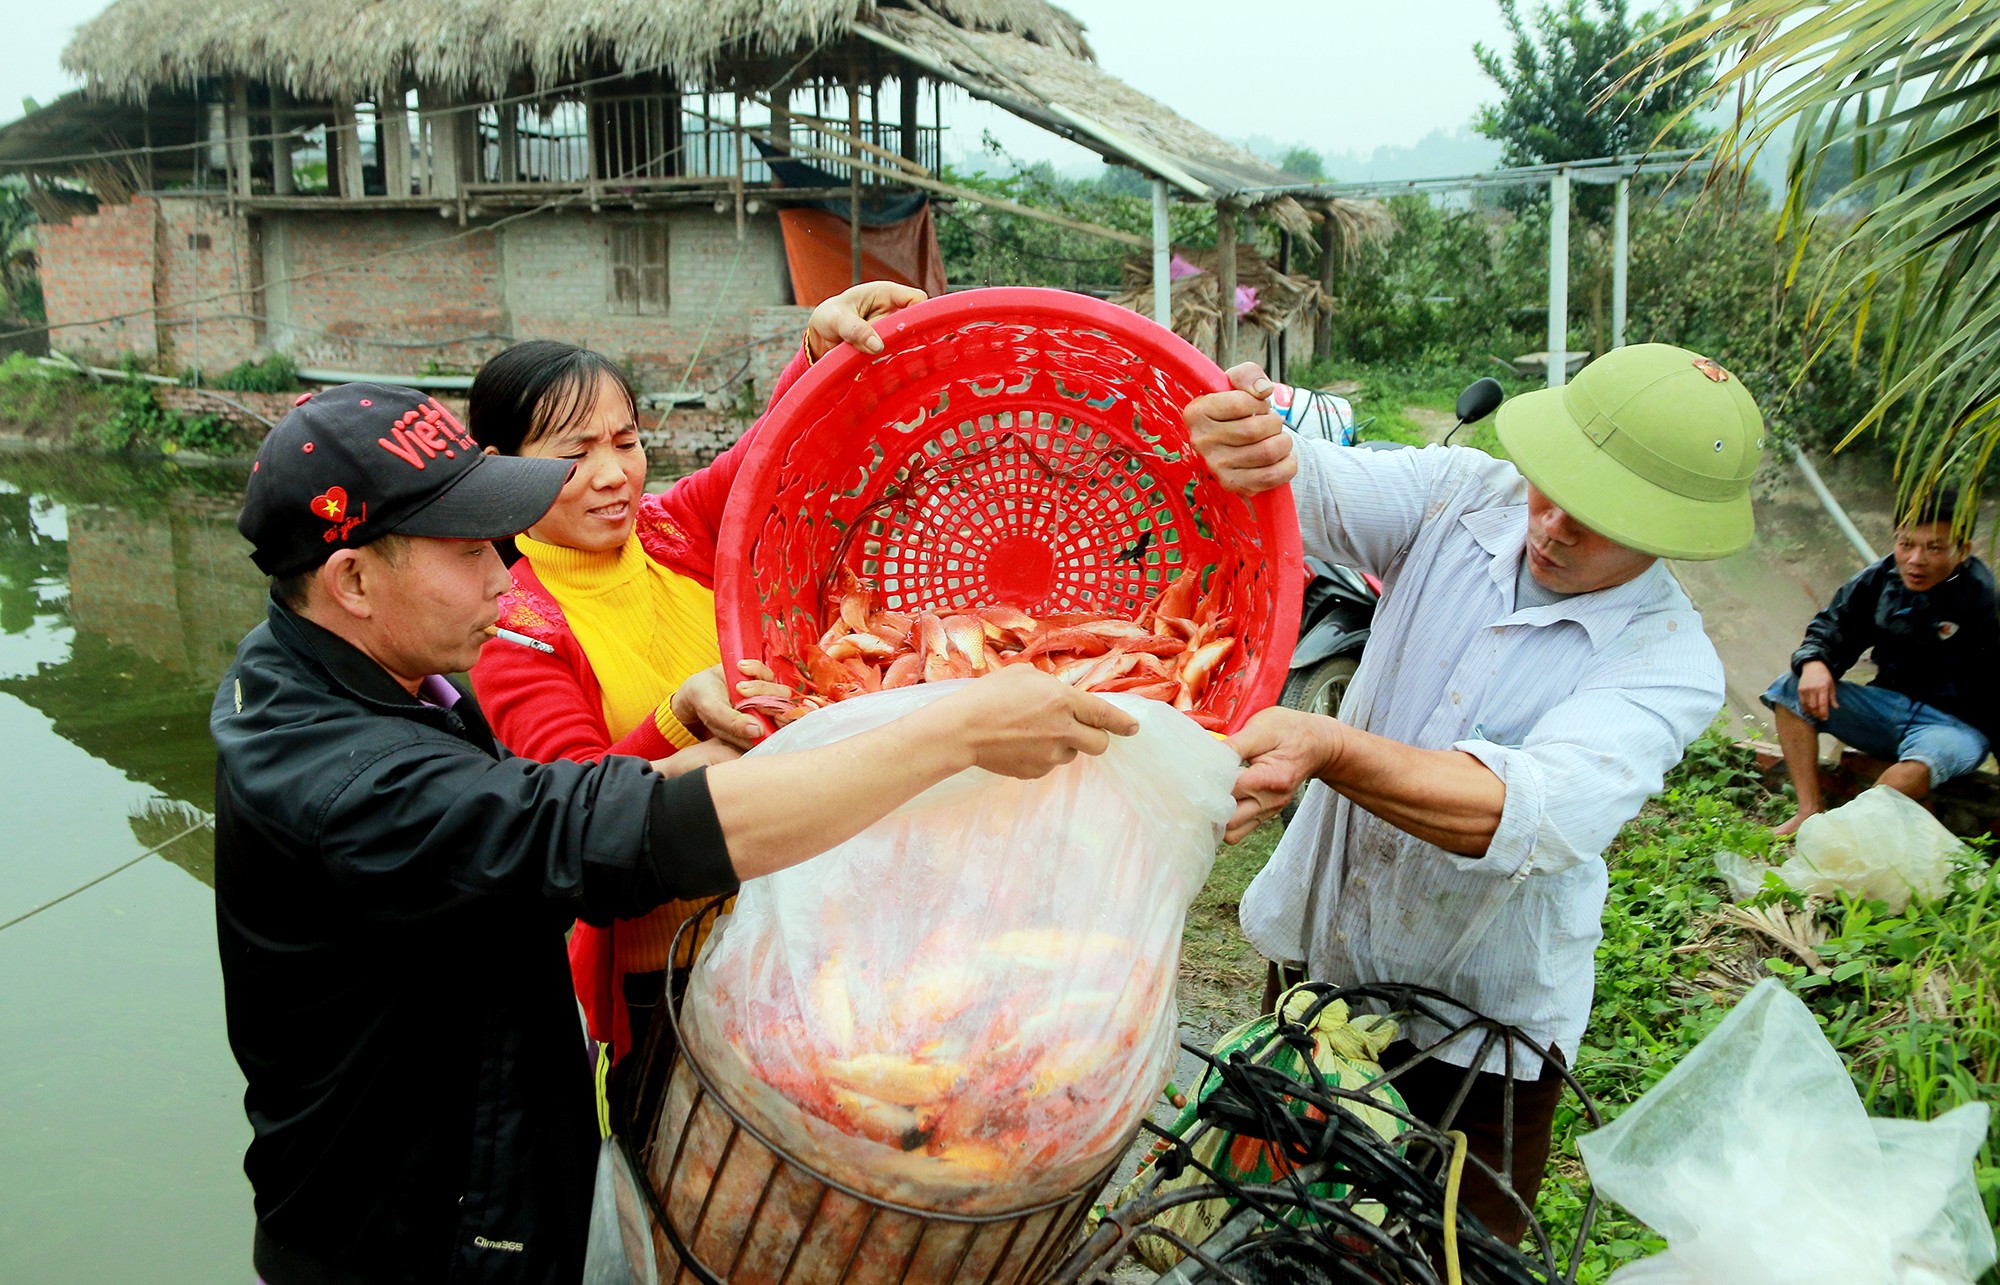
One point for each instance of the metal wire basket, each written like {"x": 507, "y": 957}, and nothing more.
{"x": 1358, "y": 1207}
{"x": 731, "y": 1206}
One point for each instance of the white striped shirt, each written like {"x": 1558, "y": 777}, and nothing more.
{"x": 1579, "y": 706}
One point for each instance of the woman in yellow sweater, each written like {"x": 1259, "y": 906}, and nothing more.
{"x": 619, "y": 584}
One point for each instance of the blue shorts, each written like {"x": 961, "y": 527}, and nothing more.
{"x": 1890, "y": 725}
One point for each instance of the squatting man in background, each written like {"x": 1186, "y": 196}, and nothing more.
{"x": 1928, "y": 611}
{"x": 392, "y": 887}
{"x": 1532, "y": 674}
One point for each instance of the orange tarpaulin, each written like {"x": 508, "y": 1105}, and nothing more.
{"x": 821, "y": 256}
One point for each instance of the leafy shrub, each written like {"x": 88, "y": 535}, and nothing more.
{"x": 277, "y": 373}
{"x": 137, "y": 420}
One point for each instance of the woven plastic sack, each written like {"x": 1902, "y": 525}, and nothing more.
{"x": 1883, "y": 845}
{"x": 1756, "y": 1161}
{"x": 1346, "y": 1052}
{"x": 967, "y": 1007}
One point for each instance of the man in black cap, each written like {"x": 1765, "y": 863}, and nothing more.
{"x": 392, "y": 887}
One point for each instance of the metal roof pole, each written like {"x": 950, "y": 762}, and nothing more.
{"x": 1225, "y": 277}
{"x": 1621, "y": 248}
{"x": 1558, "y": 278}
{"x": 1163, "y": 285}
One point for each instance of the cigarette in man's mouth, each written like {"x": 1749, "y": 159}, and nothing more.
{"x": 508, "y": 635}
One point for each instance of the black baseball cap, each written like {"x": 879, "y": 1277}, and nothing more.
{"x": 356, "y": 462}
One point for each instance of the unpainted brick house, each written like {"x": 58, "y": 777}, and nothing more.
{"x": 411, "y": 184}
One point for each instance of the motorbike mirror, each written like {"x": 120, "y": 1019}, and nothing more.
{"x": 1480, "y": 399}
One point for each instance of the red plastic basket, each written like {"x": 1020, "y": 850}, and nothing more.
{"x": 1015, "y": 446}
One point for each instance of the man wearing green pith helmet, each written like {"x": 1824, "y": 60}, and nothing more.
{"x": 1532, "y": 674}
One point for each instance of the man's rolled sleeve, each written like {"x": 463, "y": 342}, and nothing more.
{"x": 1589, "y": 765}
{"x": 1524, "y": 841}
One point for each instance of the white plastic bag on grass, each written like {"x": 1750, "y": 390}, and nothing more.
{"x": 1883, "y": 845}
{"x": 968, "y": 1006}
{"x": 1756, "y": 1161}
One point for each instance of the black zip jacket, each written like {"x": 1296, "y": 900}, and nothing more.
{"x": 1940, "y": 646}
{"x": 392, "y": 889}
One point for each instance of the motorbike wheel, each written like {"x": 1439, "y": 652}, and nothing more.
{"x": 1317, "y": 690}
{"x": 1320, "y": 689}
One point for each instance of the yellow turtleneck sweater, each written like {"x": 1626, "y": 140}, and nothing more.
{"x": 646, "y": 630}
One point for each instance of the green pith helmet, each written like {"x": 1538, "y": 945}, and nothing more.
{"x": 1650, "y": 446}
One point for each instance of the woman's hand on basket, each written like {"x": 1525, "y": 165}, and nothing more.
{"x": 846, "y": 317}
{"x": 702, "y": 704}
{"x": 1239, "y": 437}
{"x": 1023, "y": 723}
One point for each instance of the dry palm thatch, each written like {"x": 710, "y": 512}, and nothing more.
{"x": 317, "y": 50}
{"x": 1197, "y": 299}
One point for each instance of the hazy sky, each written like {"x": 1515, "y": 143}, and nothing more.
{"x": 1338, "y": 75}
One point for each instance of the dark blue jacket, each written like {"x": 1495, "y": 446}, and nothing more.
{"x": 1941, "y": 646}
{"x": 392, "y": 889}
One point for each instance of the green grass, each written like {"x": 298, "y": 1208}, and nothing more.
{"x": 48, "y": 404}
{"x": 1908, "y": 1000}
{"x": 1222, "y": 977}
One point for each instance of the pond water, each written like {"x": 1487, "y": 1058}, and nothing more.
{"x": 124, "y": 588}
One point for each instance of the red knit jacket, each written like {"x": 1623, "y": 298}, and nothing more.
{"x": 547, "y": 707}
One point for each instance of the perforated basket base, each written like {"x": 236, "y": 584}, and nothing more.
{"x": 1017, "y": 447}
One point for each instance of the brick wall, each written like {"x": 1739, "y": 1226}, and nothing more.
{"x": 207, "y": 271}
{"x": 342, "y": 289}
{"x": 97, "y": 265}
{"x": 557, "y": 283}
{"x": 405, "y": 278}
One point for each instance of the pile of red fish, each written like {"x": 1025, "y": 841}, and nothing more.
{"x": 1171, "y": 653}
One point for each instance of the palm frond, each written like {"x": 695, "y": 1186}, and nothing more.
{"x": 1913, "y": 87}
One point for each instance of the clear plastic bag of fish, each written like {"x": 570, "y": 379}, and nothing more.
{"x": 967, "y": 1007}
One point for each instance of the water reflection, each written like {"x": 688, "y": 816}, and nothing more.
{"x": 123, "y": 591}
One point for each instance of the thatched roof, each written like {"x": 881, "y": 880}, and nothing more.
{"x": 1075, "y": 97}
{"x": 1027, "y": 56}
{"x": 318, "y": 49}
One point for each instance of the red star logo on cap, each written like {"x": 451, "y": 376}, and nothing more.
{"x": 331, "y": 504}
{"x": 1708, "y": 367}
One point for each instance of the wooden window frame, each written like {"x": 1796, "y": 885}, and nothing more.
{"x": 636, "y": 258}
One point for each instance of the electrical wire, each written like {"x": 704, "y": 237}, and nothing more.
{"x": 1451, "y": 1182}
{"x": 206, "y": 820}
